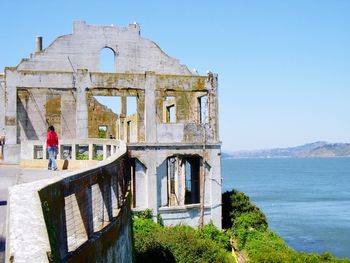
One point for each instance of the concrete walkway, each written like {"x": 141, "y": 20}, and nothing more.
{"x": 11, "y": 175}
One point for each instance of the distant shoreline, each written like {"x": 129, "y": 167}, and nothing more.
{"x": 285, "y": 157}
{"x": 311, "y": 150}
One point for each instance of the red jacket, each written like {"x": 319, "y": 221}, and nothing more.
{"x": 51, "y": 139}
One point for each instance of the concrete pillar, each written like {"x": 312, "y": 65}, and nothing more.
{"x": 214, "y": 179}
{"x": 59, "y": 153}
{"x": 122, "y": 118}
{"x": 82, "y": 84}
{"x": 104, "y": 151}
{"x": 2, "y": 105}
{"x": 141, "y": 117}
{"x": 68, "y": 112}
{"x": 11, "y": 147}
{"x": 123, "y": 106}
{"x": 141, "y": 192}
{"x": 91, "y": 154}
{"x": 213, "y": 115}
{"x": 11, "y": 106}
{"x": 74, "y": 151}
{"x": 150, "y": 107}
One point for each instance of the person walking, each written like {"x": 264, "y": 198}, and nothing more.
{"x": 52, "y": 147}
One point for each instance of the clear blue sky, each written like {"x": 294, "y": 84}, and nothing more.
{"x": 284, "y": 66}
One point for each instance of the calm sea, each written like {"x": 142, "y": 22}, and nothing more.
{"x": 306, "y": 200}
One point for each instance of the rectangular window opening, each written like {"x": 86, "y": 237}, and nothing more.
{"x": 82, "y": 152}
{"x": 66, "y": 152}
{"x": 104, "y": 116}
{"x": 131, "y": 119}
{"x": 169, "y": 110}
{"x": 192, "y": 171}
{"x": 97, "y": 152}
{"x": 203, "y": 109}
{"x": 172, "y": 200}
{"x": 102, "y": 131}
{"x": 38, "y": 152}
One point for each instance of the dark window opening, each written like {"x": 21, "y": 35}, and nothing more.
{"x": 183, "y": 174}
{"x": 172, "y": 199}
{"x": 128, "y": 131}
{"x": 203, "y": 109}
{"x": 192, "y": 170}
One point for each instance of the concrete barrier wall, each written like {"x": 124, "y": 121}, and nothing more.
{"x": 72, "y": 154}
{"x": 80, "y": 217}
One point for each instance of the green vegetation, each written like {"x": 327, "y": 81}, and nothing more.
{"x": 97, "y": 152}
{"x": 179, "y": 243}
{"x": 102, "y": 134}
{"x": 250, "y": 229}
{"x": 243, "y": 221}
{"x": 81, "y": 156}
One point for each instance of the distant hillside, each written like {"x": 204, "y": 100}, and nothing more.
{"x": 315, "y": 149}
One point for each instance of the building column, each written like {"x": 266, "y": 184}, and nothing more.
{"x": 122, "y": 119}
{"x": 11, "y": 106}
{"x": 2, "y": 105}
{"x": 150, "y": 107}
{"x": 11, "y": 148}
{"x": 152, "y": 187}
{"x": 213, "y": 113}
{"x": 83, "y": 84}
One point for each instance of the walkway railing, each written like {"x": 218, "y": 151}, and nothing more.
{"x": 87, "y": 215}
{"x": 77, "y": 149}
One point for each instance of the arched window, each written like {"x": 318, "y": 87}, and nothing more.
{"x": 107, "y": 60}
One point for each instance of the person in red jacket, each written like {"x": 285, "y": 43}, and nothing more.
{"x": 52, "y": 147}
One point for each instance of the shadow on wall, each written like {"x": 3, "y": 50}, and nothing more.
{"x": 162, "y": 173}
{"x": 25, "y": 122}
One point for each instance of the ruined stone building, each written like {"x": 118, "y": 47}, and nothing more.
{"x": 173, "y": 136}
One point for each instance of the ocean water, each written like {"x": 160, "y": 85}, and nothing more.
{"x": 306, "y": 200}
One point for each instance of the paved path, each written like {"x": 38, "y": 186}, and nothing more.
{"x": 11, "y": 175}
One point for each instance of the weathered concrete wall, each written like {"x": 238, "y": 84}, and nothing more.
{"x": 2, "y": 104}
{"x": 56, "y": 86}
{"x": 101, "y": 115}
{"x": 185, "y": 215}
{"x": 45, "y": 235}
{"x": 134, "y": 54}
{"x": 140, "y": 199}
{"x": 38, "y": 108}
{"x": 154, "y": 184}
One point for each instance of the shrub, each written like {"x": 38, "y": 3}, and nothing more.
{"x": 144, "y": 214}
{"x": 250, "y": 229}
{"x": 210, "y": 232}
{"x": 177, "y": 244}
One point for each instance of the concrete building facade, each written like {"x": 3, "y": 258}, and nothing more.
{"x": 173, "y": 136}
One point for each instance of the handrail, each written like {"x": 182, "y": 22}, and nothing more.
{"x": 69, "y": 149}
